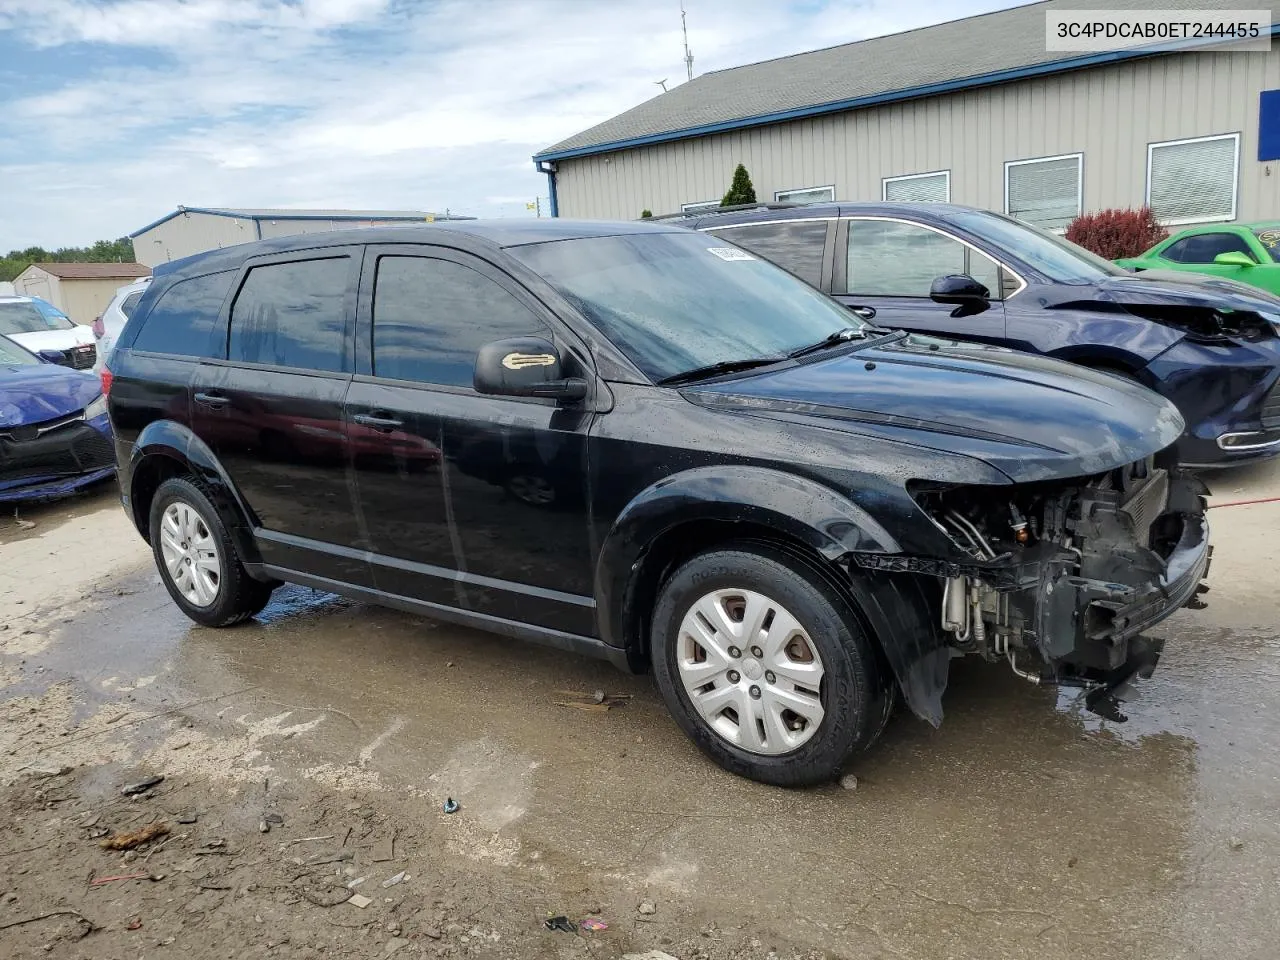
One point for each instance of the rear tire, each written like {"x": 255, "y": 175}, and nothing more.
{"x": 197, "y": 559}
{"x": 798, "y": 645}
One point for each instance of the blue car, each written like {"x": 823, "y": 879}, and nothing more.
{"x": 55, "y": 436}
{"x": 1209, "y": 345}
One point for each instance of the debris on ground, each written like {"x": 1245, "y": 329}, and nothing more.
{"x": 123, "y": 876}
{"x": 398, "y": 878}
{"x": 322, "y": 858}
{"x": 127, "y": 841}
{"x": 352, "y": 884}
{"x": 651, "y": 955}
{"x": 135, "y": 923}
{"x": 357, "y": 900}
{"x": 274, "y": 819}
{"x": 384, "y": 849}
{"x": 597, "y": 702}
{"x": 142, "y": 786}
{"x": 647, "y": 907}
{"x": 394, "y": 944}
{"x": 1236, "y": 843}
{"x": 561, "y": 923}
{"x": 451, "y": 805}
{"x": 264, "y": 827}
{"x": 849, "y": 781}
{"x": 592, "y": 923}
{"x": 186, "y": 818}
{"x": 24, "y": 524}
{"x": 326, "y": 895}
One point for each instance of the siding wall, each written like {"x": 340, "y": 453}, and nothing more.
{"x": 83, "y": 300}
{"x": 34, "y": 282}
{"x": 1109, "y": 114}
{"x": 190, "y": 233}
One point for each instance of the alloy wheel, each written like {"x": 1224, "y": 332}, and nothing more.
{"x": 190, "y": 554}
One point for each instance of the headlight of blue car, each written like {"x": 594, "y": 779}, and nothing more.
{"x": 96, "y": 408}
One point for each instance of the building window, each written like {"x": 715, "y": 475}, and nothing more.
{"x": 794, "y": 245}
{"x": 918, "y": 188}
{"x": 700, "y": 206}
{"x": 1193, "y": 181}
{"x": 1045, "y": 191}
{"x": 806, "y": 195}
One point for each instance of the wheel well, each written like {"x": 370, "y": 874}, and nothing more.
{"x": 147, "y": 477}
{"x": 680, "y": 543}
{"x": 1118, "y": 367}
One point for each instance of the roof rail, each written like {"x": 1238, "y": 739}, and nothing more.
{"x": 774, "y": 205}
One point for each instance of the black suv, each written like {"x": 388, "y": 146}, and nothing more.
{"x": 644, "y": 444}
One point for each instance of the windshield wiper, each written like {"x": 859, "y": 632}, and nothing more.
{"x": 831, "y": 340}
{"x": 716, "y": 369}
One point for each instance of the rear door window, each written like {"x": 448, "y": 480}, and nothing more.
{"x": 795, "y": 247}
{"x": 181, "y": 322}
{"x": 130, "y": 302}
{"x": 293, "y": 314}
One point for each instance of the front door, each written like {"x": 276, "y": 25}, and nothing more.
{"x": 270, "y": 407}
{"x": 471, "y": 501}
{"x": 883, "y": 270}
{"x": 1199, "y": 251}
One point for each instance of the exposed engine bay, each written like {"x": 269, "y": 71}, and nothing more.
{"x": 1065, "y": 575}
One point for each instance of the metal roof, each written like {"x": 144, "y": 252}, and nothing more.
{"x": 284, "y": 213}
{"x": 976, "y": 51}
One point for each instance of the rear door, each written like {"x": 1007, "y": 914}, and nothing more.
{"x": 471, "y": 501}
{"x": 883, "y": 269}
{"x": 801, "y": 247}
{"x": 270, "y": 407}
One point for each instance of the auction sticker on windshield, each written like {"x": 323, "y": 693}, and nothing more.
{"x": 730, "y": 253}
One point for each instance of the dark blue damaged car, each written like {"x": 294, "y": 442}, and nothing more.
{"x": 1211, "y": 346}
{"x": 55, "y": 436}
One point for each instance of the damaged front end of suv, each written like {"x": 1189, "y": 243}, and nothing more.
{"x": 1062, "y": 577}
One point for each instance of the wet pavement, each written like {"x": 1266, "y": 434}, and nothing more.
{"x": 1024, "y": 827}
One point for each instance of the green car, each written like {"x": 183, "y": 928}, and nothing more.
{"x": 1246, "y": 252}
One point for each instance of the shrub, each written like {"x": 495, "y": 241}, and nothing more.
{"x": 741, "y": 190}
{"x": 646, "y": 213}
{"x": 1117, "y": 233}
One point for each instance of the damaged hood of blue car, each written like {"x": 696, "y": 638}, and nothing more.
{"x": 41, "y": 392}
{"x": 1030, "y": 417}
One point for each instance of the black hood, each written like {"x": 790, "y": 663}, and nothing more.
{"x": 1030, "y": 417}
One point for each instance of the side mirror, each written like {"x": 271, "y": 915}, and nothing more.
{"x": 958, "y": 288}
{"x": 54, "y": 356}
{"x": 524, "y": 367}
{"x": 1234, "y": 258}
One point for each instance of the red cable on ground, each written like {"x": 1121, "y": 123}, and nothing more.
{"x": 1243, "y": 503}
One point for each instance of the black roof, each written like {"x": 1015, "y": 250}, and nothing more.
{"x": 491, "y": 233}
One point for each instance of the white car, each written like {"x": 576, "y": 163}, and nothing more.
{"x": 108, "y": 326}
{"x": 42, "y": 328}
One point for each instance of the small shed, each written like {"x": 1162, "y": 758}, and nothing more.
{"x": 80, "y": 290}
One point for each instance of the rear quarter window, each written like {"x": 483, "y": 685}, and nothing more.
{"x": 182, "y": 319}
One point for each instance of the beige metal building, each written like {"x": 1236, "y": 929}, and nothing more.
{"x": 80, "y": 290}
{"x": 191, "y": 230}
{"x": 975, "y": 111}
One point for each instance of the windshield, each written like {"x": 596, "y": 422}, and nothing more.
{"x": 1270, "y": 240}
{"x": 22, "y": 316}
{"x": 56, "y": 318}
{"x": 675, "y": 302}
{"x": 1058, "y": 259}
{"x": 12, "y": 355}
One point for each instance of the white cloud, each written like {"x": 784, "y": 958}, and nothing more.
{"x": 350, "y": 103}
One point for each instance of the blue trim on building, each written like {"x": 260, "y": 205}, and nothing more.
{"x": 891, "y": 96}
{"x": 282, "y": 215}
{"x": 550, "y": 170}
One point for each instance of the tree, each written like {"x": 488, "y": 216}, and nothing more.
{"x": 741, "y": 190}
{"x": 104, "y": 251}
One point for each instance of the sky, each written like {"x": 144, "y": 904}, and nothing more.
{"x": 114, "y": 112}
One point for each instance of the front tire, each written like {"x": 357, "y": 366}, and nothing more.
{"x": 197, "y": 559}
{"x": 764, "y": 666}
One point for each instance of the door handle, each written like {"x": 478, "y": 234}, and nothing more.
{"x": 385, "y": 424}
{"x": 214, "y": 401}
{"x": 866, "y": 313}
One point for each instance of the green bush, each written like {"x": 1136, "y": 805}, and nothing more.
{"x": 741, "y": 190}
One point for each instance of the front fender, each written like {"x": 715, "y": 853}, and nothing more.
{"x": 795, "y": 506}
{"x": 175, "y": 442}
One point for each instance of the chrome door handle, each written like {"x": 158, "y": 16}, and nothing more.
{"x": 378, "y": 423}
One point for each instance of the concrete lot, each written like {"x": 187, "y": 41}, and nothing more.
{"x": 1022, "y": 828}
